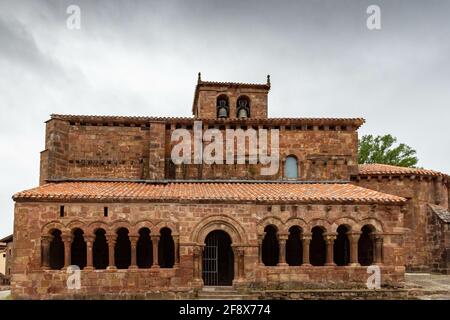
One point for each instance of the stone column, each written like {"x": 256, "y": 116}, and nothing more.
{"x": 238, "y": 262}
{"x": 176, "y": 240}
{"x": 282, "y": 238}
{"x": 111, "y": 238}
{"x": 155, "y": 242}
{"x": 378, "y": 248}
{"x": 45, "y": 251}
{"x": 89, "y": 259}
{"x": 133, "y": 242}
{"x": 260, "y": 249}
{"x": 197, "y": 259}
{"x": 353, "y": 238}
{"x": 306, "y": 240}
{"x": 67, "y": 239}
{"x": 329, "y": 238}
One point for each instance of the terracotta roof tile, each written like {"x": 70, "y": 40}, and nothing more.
{"x": 202, "y": 191}
{"x": 380, "y": 169}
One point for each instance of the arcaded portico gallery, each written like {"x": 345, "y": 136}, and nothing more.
{"x": 113, "y": 201}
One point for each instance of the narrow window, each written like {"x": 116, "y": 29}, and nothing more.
{"x": 291, "y": 168}
{"x": 61, "y": 211}
{"x": 105, "y": 211}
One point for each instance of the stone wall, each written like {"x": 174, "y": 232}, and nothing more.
{"x": 111, "y": 150}
{"x": 191, "y": 222}
{"x": 207, "y": 100}
{"x": 420, "y": 191}
{"x": 438, "y": 240}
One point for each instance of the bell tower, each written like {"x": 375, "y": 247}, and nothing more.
{"x": 230, "y": 100}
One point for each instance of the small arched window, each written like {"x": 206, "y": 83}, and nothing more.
{"x": 291, "y": 168}
{"x": 243, "y": 107}
{"x": 222, "y": 106}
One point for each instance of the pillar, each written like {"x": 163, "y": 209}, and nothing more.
{"x": 176, "y": 240}
{"x": 282, "y": 238}
{"x": 45, "y": 251}
{"x": 378, "y": 257}
{"x": 353, "y": 237}
{"x": 238, "y": 262}
{"x": 67, "y": 240}
{"x": 155, "y": 242}
{"x": 133, "y": 242}
{"x": 111, "y": 238}
{"x": 260, "y": 249}
{"x": 329, "y": 239}
{"x": 89, "y": 259}
{"x": 197, "y": 254}
{"x": 306, "y": 240}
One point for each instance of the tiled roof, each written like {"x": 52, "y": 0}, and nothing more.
{"x": 441, "y": 212}
{"x": 384, "y": 169}
{"x": 205, "y": 191}
{"x": 235, "y": 84}
{"x": 98, "y": 118}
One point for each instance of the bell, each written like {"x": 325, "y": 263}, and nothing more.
{"x": 223, "y": 112}
{"x": 242, "y": 113}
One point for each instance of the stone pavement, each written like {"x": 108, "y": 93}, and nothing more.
{"x": 428, "y": 286}
{"x": 4, "y": 294}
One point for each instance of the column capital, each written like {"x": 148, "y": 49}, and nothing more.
{"x": 111, "y": 238}
{"x": 155, "y": 237}
{"x": 283, "y": 236}
{"x": 89, "y": 239}
{"x": 133, "y": 238}
{"x": 306, "y": 236}
{"x": 47, "y": 238}
{"x": 330, "y": 236}
{"x": 67, "y": 238}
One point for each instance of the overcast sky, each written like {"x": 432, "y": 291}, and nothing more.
{"x": 142, "y": 58}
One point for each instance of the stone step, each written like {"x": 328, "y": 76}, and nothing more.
{"x": 217, "y": 288}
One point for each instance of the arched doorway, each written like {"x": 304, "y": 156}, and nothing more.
{"x": 218, "y": 259}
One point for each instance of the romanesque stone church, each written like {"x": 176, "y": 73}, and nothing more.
{"x": 112, "y": 202}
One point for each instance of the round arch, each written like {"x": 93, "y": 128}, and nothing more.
{"x": 52, "y": 225}
{"x": 92, "y": 227}
{"x": 349, "y": 222}
{"x": 324, "y": 224}
{"x": 144, "y": 224}
{"x": 377, "y": 224}
{"x": 219, "y": 222}
{"x": 274, "y": 221}
{"x": 296, "y": 222}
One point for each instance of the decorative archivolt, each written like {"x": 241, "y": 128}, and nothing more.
{"x": 219, "y": 222}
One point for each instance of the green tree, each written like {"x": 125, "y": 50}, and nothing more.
{"x": 382, "y": 149}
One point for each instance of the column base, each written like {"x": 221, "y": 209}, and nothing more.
{"x": 90, "y": 268}
{"x": 260, "y": 264}
{"x": 306, "y": 265}
{"x": 282, "y": 264}
{"x": 46, "y": 268}
{"x": 330, "y": 264}
{"x": 354, "y": 265}
{"x": 134, "y": 267}
{"x": 155, "y": 266}
{"x": 111, "y": 268}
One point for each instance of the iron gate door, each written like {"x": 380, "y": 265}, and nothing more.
{"x": 211, "y": 261}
